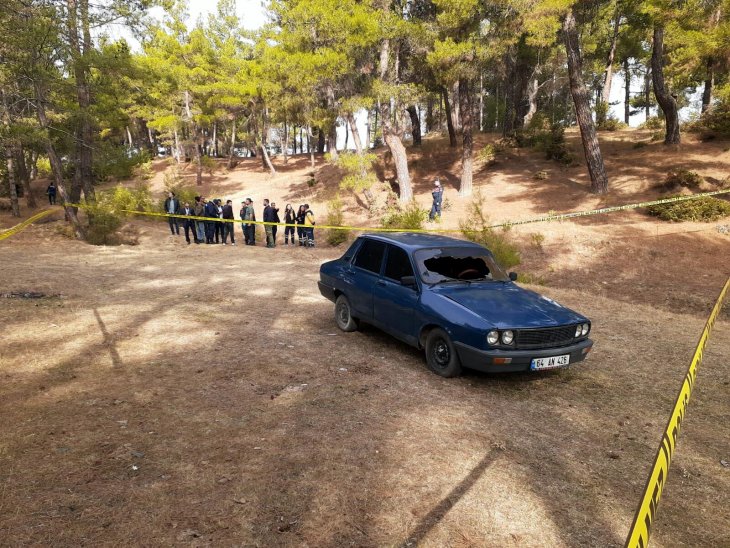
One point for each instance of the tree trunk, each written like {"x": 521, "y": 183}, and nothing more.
{"x": 129, "y": 138}
{"x": 429, "y": 114}
{"x": 608, "y": 71}
{"x": 467, "y": 128}
{"x": 33, "y": 165}
{"x": 177, "y": 154}
{"x": 83, "y": 178}
{"x": 709, "y": 84}
{"x": 415, "y": 125}
{"x": 355, "y": 132}
{"x": 391, "y": 136}
{"x": 285, "y": 148}
{"x": 232, "y": 152}
{"x": 647, "y": 91}
{"x": 449, "y": 119}
{"x": 532, "y": 90}
{"x": 267, "y": 159}
{"x": 666, "y": 100}
{"x": 627, "y": 89}
{"x": 24, "y": 177}
{"x": 332, "y": 141}
{"x": 455, "y": 107}
{"x": 310, "y": 138}
{"x": 198, "y": 158}
{"x": 12, "y": 188}
{"x": 55, "y": 161}
{"x": 596, "y": 170}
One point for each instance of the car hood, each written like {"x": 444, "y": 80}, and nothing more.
{"x": 506, "y": 305}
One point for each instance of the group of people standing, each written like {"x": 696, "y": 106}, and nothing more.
{"x": 219, "y": 228}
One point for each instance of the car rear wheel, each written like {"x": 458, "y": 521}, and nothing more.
{"x": 343, "y": 315}
{"x": 441, "y": 355}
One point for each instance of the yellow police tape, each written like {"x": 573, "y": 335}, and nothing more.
{"x": 29, "y": 221}
{"x": 506, "y": 224}
{"x": 544, "y": 218}
{"x": 638, "y": 536}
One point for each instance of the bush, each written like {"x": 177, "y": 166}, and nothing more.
{"x": 682, "y": 179}
{"x": 541, "y": 175}
{"x": 104, "y": 221}
{"x": 209, "y": 164}
{"x": 412, "y": 217}
{"x": 705, "y": 209}
{"x": 545, "y": 137}
{"x": 488, "y": 154}
{"x": 717, "y": 118}
{"x": 611, "y": 124}
{"x": 138, "y": 198}
{"x": 44, "y": 167}
{"x": 653, "y": 122}
{"x": 477, "y": 229}
{"x": 335, "y": 217}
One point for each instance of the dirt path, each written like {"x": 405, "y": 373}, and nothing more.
{"x": 179, "y": 395}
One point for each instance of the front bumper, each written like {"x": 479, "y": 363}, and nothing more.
{"x": 484, "y": 360}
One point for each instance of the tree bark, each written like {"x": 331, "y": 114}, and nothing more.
{"x": 429, "y": 114}
{"x": 310, "y": 138}
{"x": 449, "y": 119}
{"x": 355, "y": 132}
{"x": 391, "y": 136}
{"x": 415, "y": 125}
{"x": 55, "y": 161}
{"x": 627, "y": 89}
{"x": 532, "y": 90}
{"x": 467, "y": 128}
{"x": 594, "y": 159}
{"x": 647, "y": 90}
{"x": 83, "y": 177}
{"x": 709, "y": 84}
{"x": 24, "y": 177}
{"x": 232, "y": 151}
{"x": 667, "y": 101}
{"x": 12, "y": 188}
{"x": 608, "y": 71}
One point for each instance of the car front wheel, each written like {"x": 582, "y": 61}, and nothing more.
{"x": 343, "y": 315}
{"x": 441, "y": 355}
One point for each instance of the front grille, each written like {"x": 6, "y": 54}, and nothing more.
{"x": 553, "y": 337}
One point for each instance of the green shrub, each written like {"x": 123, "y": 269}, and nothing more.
{"x": 209, "y": 164}
{"x": 488, "y": 154}
{"x": 116, "y": 162}
{"x": 682, "y": 178}
{"x": 611, "y": 124}
{"x": 335, "y": 217}
{"x": 411, "y": 217}
{"x": 717, "y": 118}
{"x": 104, "y": 221}
{"x": 549, "y": 139}
{"x": 653, "y": 122}
{"x": 43, "y": 165}
{"x": 138, "y": 198}
{"x": 640, "y": 144}
{"x": 541, "y": 175}
{"x": 477, "y": 229}
{"x": 705, "y": 209}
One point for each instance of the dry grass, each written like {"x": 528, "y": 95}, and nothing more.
{"x": 179, "y": 395}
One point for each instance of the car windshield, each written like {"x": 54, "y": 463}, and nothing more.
{"x": 458, "y": 264}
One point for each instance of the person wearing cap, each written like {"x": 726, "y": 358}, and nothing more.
{"x": 199, "y": 211}
{"x": 437, "y": 195}
{"x": 227, "y": 216}
{"x": 249, "y": 228}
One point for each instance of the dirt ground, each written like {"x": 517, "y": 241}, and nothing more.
{"x": 165, "y": 394}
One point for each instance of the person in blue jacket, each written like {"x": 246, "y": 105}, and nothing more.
{"x": 437, "y": 195}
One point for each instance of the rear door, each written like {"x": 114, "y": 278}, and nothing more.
{"x": 395, "y": 304}
{"x": 366, "y": 269}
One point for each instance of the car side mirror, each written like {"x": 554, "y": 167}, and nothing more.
{"x": 408, "y": 281}
{"x": 513, "y": 276}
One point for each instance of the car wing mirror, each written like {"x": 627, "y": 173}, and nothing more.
{"x": 408, "y": 281}
{"x": 513, "y": 276}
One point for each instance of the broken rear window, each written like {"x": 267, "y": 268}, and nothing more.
{"x": 458, "y": 263}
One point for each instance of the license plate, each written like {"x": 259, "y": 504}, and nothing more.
{"x": 550, "y": 363}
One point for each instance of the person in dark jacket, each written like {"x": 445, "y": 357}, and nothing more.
{"x": 199, "y": 211}
{"x": 269, "y": 218}
{"x": 189, "y": 224}
{"x": 289, "y": 218}
{"x": 437, "y": 195}
{"x": 227, "y": 217}
{"x": 211, "y": 212}
{"x": 51, "y": 191}
{"x": 249, "y": 228}
{"x": 219, "y": 224}
{"x": 300, "y": 228}
{"x": 277, "y": 219}
{"x": 172, "y": 207}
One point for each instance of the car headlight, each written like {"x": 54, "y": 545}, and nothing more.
{"x": 585, "y": 329}
{"x": 493, "y": 337}
{"x": 508, "y": 337}
{"x": 578, "y": 331}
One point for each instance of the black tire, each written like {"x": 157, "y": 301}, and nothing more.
{"x": 343, "y": 315}
{"x": 441, "y": 355}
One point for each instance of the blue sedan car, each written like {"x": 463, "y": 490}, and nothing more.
{"x": 450, "y": 298}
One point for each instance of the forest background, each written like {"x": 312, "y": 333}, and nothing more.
{"x": 82, "y": 106}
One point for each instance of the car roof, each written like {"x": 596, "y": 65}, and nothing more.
{"x": 420, "y": 240}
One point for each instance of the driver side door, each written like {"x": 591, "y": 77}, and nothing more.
{"x": 394, "y": 303}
